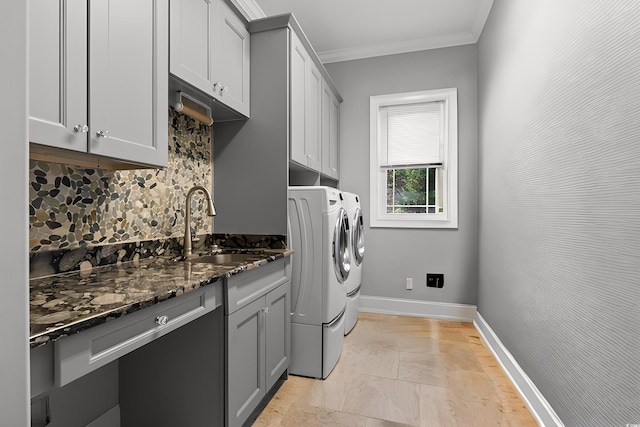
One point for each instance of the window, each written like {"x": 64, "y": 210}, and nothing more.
{"x": 414, "y": 159}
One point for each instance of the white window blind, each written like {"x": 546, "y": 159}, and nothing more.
{"x": 411, "y": 135}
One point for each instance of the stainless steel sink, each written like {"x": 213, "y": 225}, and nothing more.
{"x": 224, "y": 258}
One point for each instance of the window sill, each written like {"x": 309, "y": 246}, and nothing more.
{"x": 414, "y": 223}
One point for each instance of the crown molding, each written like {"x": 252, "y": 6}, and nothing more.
{"x": 249, "y": 9}
{"x": 481, "y": 19}
{"x": 369, "y": 51}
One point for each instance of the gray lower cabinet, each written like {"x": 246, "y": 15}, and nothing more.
{"x": 211, "y": 364}
{"x": 217, "y": 369}
{"x": 258, "y": 345}
{"x": 145, "y": 372}
{"x": 277, "y": 333}
{"x": 79, "y": 354}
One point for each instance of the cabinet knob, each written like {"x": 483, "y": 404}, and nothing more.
{"x": 81, "y": 128}
{"x": 162, "y": 320}
{"x": 265, "y": 310}
{"x": 218, "y": 85}
{"x": 102, "y": 134}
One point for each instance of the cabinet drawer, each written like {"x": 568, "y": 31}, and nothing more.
{"x": 88, "y": 350}
{"x": 250, "y": 285}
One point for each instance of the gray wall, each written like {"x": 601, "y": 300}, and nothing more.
{"x": 395, "y": 254}
{"x": 14, "y": 365}
{"x": 559, "y": 103}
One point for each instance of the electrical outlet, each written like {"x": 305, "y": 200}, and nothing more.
{"x": 435, "y": 280}
{"x": 409, "y": 283}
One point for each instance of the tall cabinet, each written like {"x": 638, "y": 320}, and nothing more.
{"x": 291, "y": 138}
{"x": 98, "y": 81}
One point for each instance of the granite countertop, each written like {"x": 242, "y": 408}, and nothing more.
{"x": 67, "y": 303}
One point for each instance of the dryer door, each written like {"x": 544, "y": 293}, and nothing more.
{"x": 341, "y": 256}
{"x": 358, "y": 237}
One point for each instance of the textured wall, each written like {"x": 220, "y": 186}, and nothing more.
{"x": 71, "y": 206}
{"x": 559, "y": 103}
{"x": 395, "y": 254}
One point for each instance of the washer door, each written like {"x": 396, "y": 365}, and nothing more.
{"x": 341, "y": 256}
{"x": 358, "y": 237}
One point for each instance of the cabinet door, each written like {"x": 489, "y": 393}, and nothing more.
{"x": 58, "y": 73}
{"x": 128, "y": 80}
{"x": 278, "y": 324}
{"x": 334, "y": 138}
{"x": 312, "y": 116}
{"x": 245, "y": 358}
{"x": 192, "y": 27}
{"x": 299, "y": 65}
{"x": 330, "y": 133}
{"x": 306, "y": 89}
{"x": 231, "y": 60}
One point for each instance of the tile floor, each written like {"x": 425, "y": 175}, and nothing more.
{"x": 399, "y": 371}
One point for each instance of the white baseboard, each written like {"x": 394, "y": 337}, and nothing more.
{"x": 111, "y": 418}
{"x": 538, "y": 405}
{"x": 406, "y": 307}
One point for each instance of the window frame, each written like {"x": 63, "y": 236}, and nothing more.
{"x": 378, "y": 177}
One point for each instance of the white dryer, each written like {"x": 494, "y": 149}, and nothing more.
{"x": 319, "y": 235}
{"x": 354, "y": 281}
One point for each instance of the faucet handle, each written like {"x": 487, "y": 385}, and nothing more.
{"x": 194, "y": 239}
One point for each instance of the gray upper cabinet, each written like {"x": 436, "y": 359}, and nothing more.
{"x": 58, "y": 73}
{"x": 299, "y": 65}
{"x": 330, "y": 133}
{"x": 97, "y": 78}
{"x": 314, "y": 103}
{"x": 191, "y": 33}
{"x": 210, "y": 50}
{"x": 306, "y": 89}
{"x": 232, "y": 54}
{"x": 128, "y": 79}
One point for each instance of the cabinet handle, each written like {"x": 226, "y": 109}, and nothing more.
{"x": 102, "y": 134}
{"x": 217, "y": 85}
{"x": 81, "y": 128}
{"x": 162, "y": 320}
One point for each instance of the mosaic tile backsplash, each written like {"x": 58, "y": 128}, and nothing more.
{"x": 71, "y": 207}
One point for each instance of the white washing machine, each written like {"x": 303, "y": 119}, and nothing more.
{"x": 319, "y": 235}
{"x": 354, "y": 281}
